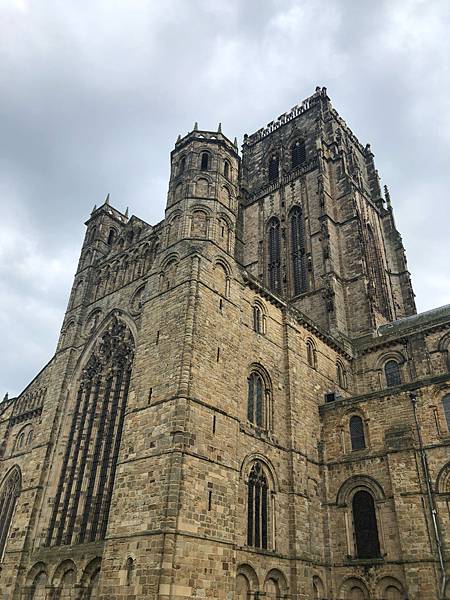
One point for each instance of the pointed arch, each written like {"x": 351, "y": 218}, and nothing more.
{"x": 9, "y": 492}
{"x": 83, "y": 496}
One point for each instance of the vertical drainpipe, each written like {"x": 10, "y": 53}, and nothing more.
{"x": 433, "y": 512}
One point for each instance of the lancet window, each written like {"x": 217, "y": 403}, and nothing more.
{"x": 257, "y": 507}
{"x": 83, "y": 496}
{"x": 298, "y": 251}
{"x": 274, "y": 254}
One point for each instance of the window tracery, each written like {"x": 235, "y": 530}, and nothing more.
{"x": 8, "y": 498}
{"x": 83, "y": 496}
{"x": 257, "y": 507}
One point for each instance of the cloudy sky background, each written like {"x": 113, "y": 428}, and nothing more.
{"x": 93, "y": 95}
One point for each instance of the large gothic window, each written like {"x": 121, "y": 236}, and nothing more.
{"x": 83, "y": 496}
{"x": 357, "y": 437}
{"x": 298, "y": 251}
{"x": 8, "y": 498}
{"x": 274, "y": 254}
{"x": 392, "y": 373}
{"x": 365, "y": 524}
{"x": 257, "y": 507}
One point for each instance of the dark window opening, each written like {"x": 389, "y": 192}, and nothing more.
{"x": 257, "y": 508}
{"x": 226, "y": 169}
{"x": 298, "y": 251}
{"x": 204, "y": 166}
{"x": 274, "y": 164}
{"x": 181, "y": 165}
{"x": 298, "y": 153}
{"x": 357, "y": 433}
{"x": 365, "y": 524}
{"x": 112, "y": 237}
{"x": 392, "y": 372}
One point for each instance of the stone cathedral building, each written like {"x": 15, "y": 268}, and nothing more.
{"x": 243, "y": 403}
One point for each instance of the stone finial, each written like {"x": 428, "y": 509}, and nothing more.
{"x": 179, "y": 137}
{"x": 317, "y": 89}
{"x": 235, "y": 142}
{"x": 219, "y": 129}
{"x": 195, "y": 126}
{"x": 126, "y": 212}
{"x": 6, "y": 397}
{"x": 94, "y": 209}
{"x": 107, "y": 200}
{"x": 387, "y": 196}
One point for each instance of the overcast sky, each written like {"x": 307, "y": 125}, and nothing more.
{"x": 93, "y": 95}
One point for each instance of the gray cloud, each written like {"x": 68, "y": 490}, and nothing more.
{"x": 94, "y": 94}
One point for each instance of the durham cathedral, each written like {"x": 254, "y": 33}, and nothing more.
{"x": 243, "y": 403}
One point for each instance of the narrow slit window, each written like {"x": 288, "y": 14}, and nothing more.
{"x": 204, "y": 165}
{"x": 298, "y": 153}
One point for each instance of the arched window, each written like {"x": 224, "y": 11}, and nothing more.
{"x": 204, "y": 165}
{"x": 446, "y": 406}
{"x": 274, "y": 167}
{"x": 357, "y": 438}
{"x": 298, "y": 251}
{"x": 181, "y": 165}
{"x": 274, "y": 254}
{"x": 392, "y": 373}
{"x": 256, "y": 400}
{"x": 8, "y": 498}
{"x": 112, "y": 236}
{"x": 365, "y": 524}
{"x": 298, "y": 153}
{"x": 257, "y": 508}
{"x": 311, "y": 354}
{"x": 341, "y": 375}
{"x": 83, "y": 495}
{"x": 259, "y": 319}
{"x": 129, "y": 569}
{"x": 226, "y": 169}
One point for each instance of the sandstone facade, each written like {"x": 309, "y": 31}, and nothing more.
{"x": 243, "y": 401}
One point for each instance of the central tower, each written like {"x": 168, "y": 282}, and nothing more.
{"x": 317, "y": 229}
